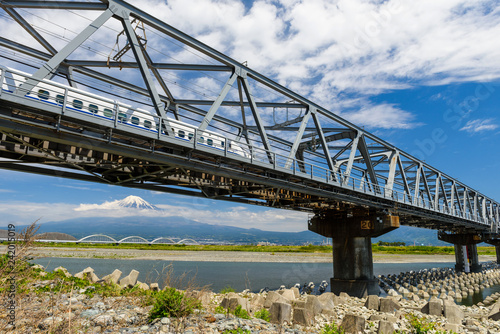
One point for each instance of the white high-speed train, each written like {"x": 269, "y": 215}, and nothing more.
{"x": 54, "y": 93}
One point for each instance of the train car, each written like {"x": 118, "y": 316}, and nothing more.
{"x": 54, "y": 93}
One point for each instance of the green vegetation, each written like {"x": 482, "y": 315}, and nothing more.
{"x": 238, "y": 312}
{"x": 423, "y": 326}
{"x": 172, "y": 303}
{"x": 227, "y": 289}
{"x": 332, "y": 329}
{"x": 241, "y": 313}
{"x": 263, "y": 314}
{"x": 380, "y": 248}
{"x": 232, "y": 248}
{"x": 239, "y": 330}
{"x": 397, "y": 243}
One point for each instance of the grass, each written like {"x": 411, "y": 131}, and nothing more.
{"x": 417, "y": 250}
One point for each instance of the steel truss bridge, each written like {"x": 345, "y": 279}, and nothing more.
{"x": 274, "y": 147}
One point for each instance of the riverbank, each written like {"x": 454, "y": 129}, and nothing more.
{"x": 227, "y": 256}
{"x": 84, "y": 303}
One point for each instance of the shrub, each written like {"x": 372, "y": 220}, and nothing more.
{"x": 241, "y": 313}
{"x": 227, "y": 289}
{"x": 172, "y": 303}
{"x": 332, "y": 329}
{"x": 263, "y": 314}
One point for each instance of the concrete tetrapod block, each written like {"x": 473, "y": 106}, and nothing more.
{"x": 494, "y": 313}
{"x": 142, "y": 286}
{"x": 274, "y": 297}
{"x": 232, "y": 303}
{"x": 114, "y": 277}
{"x": 389, "y": 305}
{"x": 288, "y": 294}
{"x": 64, "y": 270}
{"x": 257, "y": 302}
{"x": 372, "y": 302}
{"x": 453, "y": 313}
{"x": 130, "y": 280}
{"x": 296, "y": 292}
{"x": 353, "y": 324}
{"x": 433, "y": 307}
{"x": 154, "y": 286}
{"x": 302, "y": 317}
{"x": 313, "y": 305}
{"x": 385, "y": 327}
{"x": 328, "y": 300}
{"x": 280, "y": 313}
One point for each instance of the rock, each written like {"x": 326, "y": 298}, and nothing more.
{"x": 372, "y": 302}
{"x": 353, "y": 324}
{"x": 432, "y": 308}
{"x": 280, "y": 313}
{"x": 274, "y": 297}
{"x": 313, "y": 305}
{"x": 453, "y": 328}
{"x": 130, "y": 280}
{"x": 375, "y": 317}
{"x": 113, "y": 277}
{"x": 388, "y": 305}
{"x": 103, "y": 320}
{"x": 302, "y": 317}
{"x": 385, "y": 327}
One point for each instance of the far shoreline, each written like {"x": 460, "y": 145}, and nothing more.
{"x": 228, "y": 256}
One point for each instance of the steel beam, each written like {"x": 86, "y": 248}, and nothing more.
{"x": 51, "y": 66}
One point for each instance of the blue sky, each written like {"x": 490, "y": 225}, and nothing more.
{"x": 422, "y": 75}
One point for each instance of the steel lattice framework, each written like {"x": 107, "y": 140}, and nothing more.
{"x": 302, "y": 156}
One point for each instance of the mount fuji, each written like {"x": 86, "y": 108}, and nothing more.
{"x": 135, "y": 202}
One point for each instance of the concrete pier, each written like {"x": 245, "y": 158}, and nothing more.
{"x": 466, "y": 258}
{"x": 351, "y": 233}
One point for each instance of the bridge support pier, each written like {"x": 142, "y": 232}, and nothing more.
{"x": 466, "y": 258}
{"x": 351, "y": 234}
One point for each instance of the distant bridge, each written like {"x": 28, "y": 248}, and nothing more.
{"x": 106, "y": 239}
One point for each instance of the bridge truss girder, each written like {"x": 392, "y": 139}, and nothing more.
{"x": 358, "y": 159}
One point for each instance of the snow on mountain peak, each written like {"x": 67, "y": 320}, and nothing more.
{"x": 136, "y": 202}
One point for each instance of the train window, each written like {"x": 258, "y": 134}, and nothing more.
{"x": 147, "y": 124}
{"x": 181, "y": 134}
{"x": 229, "y": 145}
{"x": 222, "y": 144}
{"x": 201, "y": 140}
{"x": 135, "y": 120}
{"x": 122, "y": 117}
{"x": 93, "y": 108}
{"x": 77, "y": 104}
{"x": 210, "y": 142}
{"x": 60, "y": 99}
{"x": 43, "y": 94}
{"x": 108, "y": 112}
{"x": 190, "y": 136}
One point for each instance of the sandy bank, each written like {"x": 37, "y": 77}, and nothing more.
{"x": 226, "y": 256}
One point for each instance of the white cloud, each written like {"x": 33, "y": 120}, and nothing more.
{"x": 384, "y": 116}
{"x": 479, "y": 125}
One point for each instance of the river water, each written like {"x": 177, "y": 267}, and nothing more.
{"x": 238, "y": 275}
